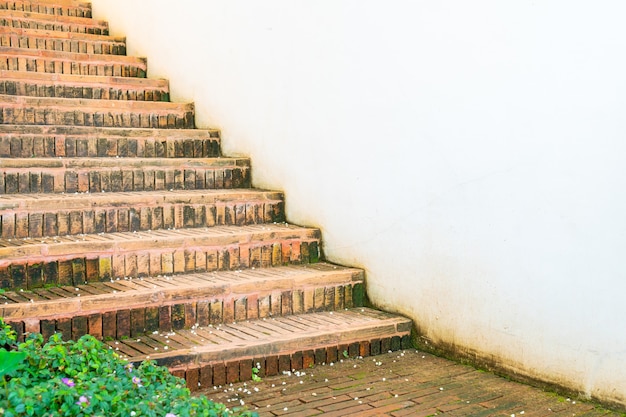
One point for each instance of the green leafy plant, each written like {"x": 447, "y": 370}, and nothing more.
{"x": 8, "y": 337}
{"x": 9, "y": 361}
{"x": 255, "y": 375}
{"x": 86, "y": 378}
{"x": 345, "y": 353}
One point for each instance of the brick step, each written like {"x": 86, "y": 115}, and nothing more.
{"x": 71, "y": 141}
{"x": 182, "y": 301}
{"x": 36, "y": 84}
{"x": 59, "y": 62}
{"x": 74, "y": 260}
{"x": 19, "y": 110}
{"x": 51, "y": 40}
{"x": 57, "y": 7}
{"x": 28, "y": 20}
{"x": 210, "y": 356}
{"x": 37, "y": 215}
{"x": 94, "y": 175}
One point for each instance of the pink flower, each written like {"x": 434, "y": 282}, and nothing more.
{"x": 170, "y": 415}
{"x": 68, "y": 381}
{"x": 137, "y": 381}
{"x": 82, "y": 400}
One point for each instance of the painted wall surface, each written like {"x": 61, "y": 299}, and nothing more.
{"x": 470, "y": 155}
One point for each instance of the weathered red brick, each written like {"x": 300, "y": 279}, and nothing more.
{"x": 297, "y": 360}
{"x": 64, "y": 326}
{"x": 123, "y": 323}
{"x": 206, "y": 376}
{"x": 271, "y": 365}
{"x": 245, "y": 369}
{"x": 219, "y": 374}
{"x": 95, "y": 325}
{"x": 192, "y": 376}
{"x": 232, "y": 372}
{"x": 80, "y": 327}
{"x": 109, "y": 324}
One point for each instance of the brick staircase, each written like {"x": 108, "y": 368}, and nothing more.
{"x": 120, "y": 220}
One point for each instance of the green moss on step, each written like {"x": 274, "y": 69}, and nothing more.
{"x": 358, "y": 295}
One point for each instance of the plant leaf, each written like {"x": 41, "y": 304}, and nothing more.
{"x": 9, "y": 361}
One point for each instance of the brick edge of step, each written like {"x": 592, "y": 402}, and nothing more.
{"x": 10, "y": 131}
{"x": 44, "y": 84}
{"x": 39, "y": 215}
{"x": 232, "y": 287}
{"x": 217, "y": 374}
{"x": 203, "y": 374}
{"x": 47, "y": 18}
{"x": 76, "y": 260}
{"x": 65, "y": 175}
{"x": 27, "y": 110}
{"x": 62, "y": 36}
{"x": 54, "y": 4}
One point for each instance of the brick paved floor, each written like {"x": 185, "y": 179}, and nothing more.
{"x": 405, "y": 383}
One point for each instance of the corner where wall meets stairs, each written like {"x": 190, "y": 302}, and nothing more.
{"x": 121, "y": 220}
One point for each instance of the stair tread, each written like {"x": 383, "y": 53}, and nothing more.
{"x": 9, "y": 130}
{"x": 43, "y": 17}
{"x": 82, "y": 80}
{"x": 74, "y": 57}
{"x": 82, "y": 104}
{"x": 138, "y": 292}
{"x": 254, "y": 338}
{"x": 48, "y": 202}
{"x": 107, "y": 163}
{"x": 37, "y": 249}
{"x": 59, "y": 35}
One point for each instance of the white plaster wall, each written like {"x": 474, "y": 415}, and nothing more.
{"x": 470, "y": 155}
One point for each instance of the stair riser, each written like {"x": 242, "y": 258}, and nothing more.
{"x": 57, "y": 90}
{"x": 61, "y": 65}
{"x": 16, "y": 115}
{"x": 218, "y": 374}
{"x": 62, "y": 146}
{"x": 26, "y": 23}
{"x": 21, "y": 224}
{"x": 117, "y": 180}
{"x": 209, "y": 310}
{"x": 42, "y": 42}
{"x": 53, "y": 9}
{"x": 37, "y": 272}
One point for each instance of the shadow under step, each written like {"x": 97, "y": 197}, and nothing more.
{"x": 56, "y": 7}
{"x": 20, "y": 110}
{"x": 95, "y": 175}
{"x": 26, "y": 141}
{"x": 36, "y": 84}
{"x": 35, "y": 60}
{"x": 132, "y": 307}
{"x": 84, "y": 43}
{"x": 29, "y": 263}
{"x": 224, "y": 354}
{"x": 37, "y": 215}
{"x": 43, "y": 21}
